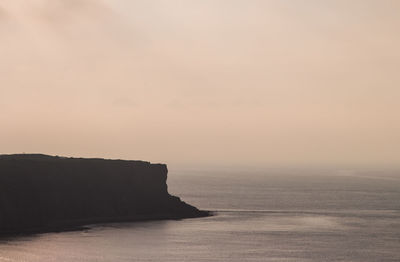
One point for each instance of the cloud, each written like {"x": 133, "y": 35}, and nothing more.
{"x": 68, "y": 10}
{"x": 3, "y": 13}
{"x": 56, "y": 12}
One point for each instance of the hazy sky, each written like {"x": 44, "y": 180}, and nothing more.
{"x": 205, "y": 82}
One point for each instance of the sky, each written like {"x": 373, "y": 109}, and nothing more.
{"x": 262, "y": 83}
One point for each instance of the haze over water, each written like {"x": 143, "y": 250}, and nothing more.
{"x": 264, "y": 216}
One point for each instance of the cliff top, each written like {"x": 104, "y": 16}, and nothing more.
{"x": 43, "y": 157}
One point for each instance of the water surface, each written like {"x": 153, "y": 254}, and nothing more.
{"x": 260, "y": 216}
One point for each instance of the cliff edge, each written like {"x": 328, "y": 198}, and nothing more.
{"x": 41, "y": 193}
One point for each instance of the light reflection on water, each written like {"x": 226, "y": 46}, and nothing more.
{"x": 324, "y": 219}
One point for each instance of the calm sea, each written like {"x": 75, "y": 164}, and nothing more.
{"x": 260, "y": 216}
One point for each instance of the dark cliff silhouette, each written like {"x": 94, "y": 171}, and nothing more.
{"x": 44, "y": 193}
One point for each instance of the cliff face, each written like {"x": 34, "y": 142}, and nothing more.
{"x": 39, "y": 192}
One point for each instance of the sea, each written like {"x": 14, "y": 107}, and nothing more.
{"x": 259, "y": 215}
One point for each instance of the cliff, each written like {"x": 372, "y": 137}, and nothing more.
{"x": 44, "y": 193}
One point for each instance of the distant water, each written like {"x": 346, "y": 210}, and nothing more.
{"x": 260, "y": 216}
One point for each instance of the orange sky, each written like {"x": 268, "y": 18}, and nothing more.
{"x": 199, "y": 83}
